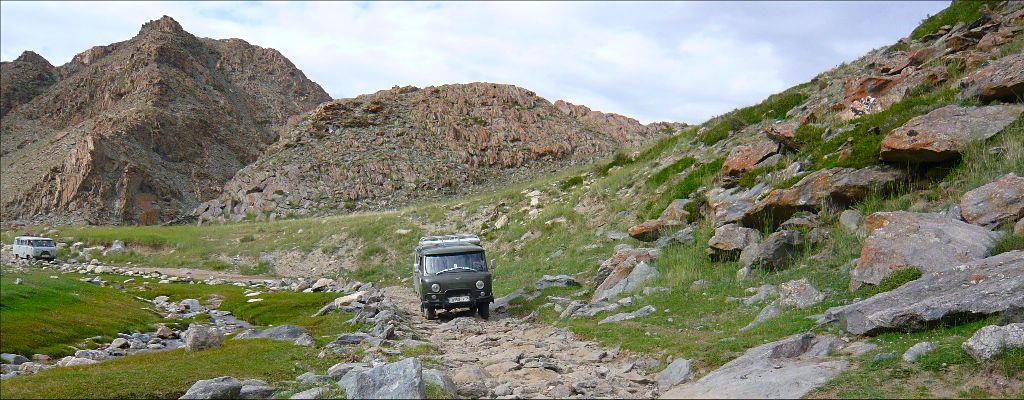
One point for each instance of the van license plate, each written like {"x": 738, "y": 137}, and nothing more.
{"x": 459, "y": 299}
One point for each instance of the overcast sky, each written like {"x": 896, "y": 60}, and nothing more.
{"x": 654, "y": 61}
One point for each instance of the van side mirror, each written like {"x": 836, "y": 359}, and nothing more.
{"x": 493, "y": 264}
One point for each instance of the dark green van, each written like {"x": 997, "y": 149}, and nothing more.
{"x": 451, "y": 272}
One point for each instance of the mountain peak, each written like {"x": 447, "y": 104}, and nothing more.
{"x": 164, "y": 24}
{"x": 33, "y": 57}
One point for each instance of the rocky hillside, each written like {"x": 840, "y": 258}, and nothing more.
{"x": 395, "y": 146}
{"x": 141, "y": 130}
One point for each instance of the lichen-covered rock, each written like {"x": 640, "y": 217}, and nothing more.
{"x": 650, "y": 230}
{"x": 744, "y": 157}
{"x": 201, "y": 337}
{"x": 994, "y": 202}
{"x": 944, "y": 133}
{"x": 1002, "y": 79}
{"x": 838, "y": 186}
{"x": 224, "y": 387}
{"x": 987, "y": 286}
{"x": 928, "y": 241}
{"x": 676, "y": 211}
{"x": 784, "y": 133}
{"x": 729, "y": 205}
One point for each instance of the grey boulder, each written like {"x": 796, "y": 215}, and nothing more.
{"x": 201, "y": 337}
{"x": 995, "y": 202}
{"x": 224, "y": 387}
{"x": 993, "y": 340}
{"x": 916, "y": 351}
{"x": 398, "y": 380}
{"x": 988, "y": 286}
{"x": 675, "y": 373}
{"x": 547, "y": 281}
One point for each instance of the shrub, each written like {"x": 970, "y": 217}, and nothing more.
{"x": 958, "y": 11}
{"x": 774, "y": 107}
{"x": 668, "y": 171}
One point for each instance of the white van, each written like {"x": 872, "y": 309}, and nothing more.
{"x": 34, "y": 247}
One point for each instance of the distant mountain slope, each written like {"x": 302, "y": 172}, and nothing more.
{"x": 388, "y": 148}
{"x": 140, "y": 130}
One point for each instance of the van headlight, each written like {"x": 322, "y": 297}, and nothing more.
{"x": 435, "y": 288}
{"x": 480, "y": 285}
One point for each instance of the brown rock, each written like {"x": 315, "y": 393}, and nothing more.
{"x": 743, "y": 158}
{"x": 650, "y": 230}
{"x": 676, "y": 211}
{"x": 621, "y": 263}
{"x": 1002, "y": 79}
{"x": 995, "y": 202}
{"x": 929, "y": 242}
{"x": 943, "y": 133}
{"x": 837, "y": 186}
{"x": 784, "y": 133}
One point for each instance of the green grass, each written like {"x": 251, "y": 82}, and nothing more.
{"x": 670, "y": 170}
{"x": 167, "y": 374}
{"x": 47, "y": 316}
{"x": 958, "y": 11}
{"x": 774, "y": 107}
{"x": 700, "y": 176}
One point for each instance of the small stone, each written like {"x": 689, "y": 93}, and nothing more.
{"x": 916, "y": 351}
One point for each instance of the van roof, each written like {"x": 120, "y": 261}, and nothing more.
{"x": 32, "y": 238}
{"x": 448, "y": 249}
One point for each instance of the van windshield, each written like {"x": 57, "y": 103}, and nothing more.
{"x": 41, "y": 243}
{"x": 474, "y": 261}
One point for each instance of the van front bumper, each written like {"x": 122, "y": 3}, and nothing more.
{"x": 441, "y": 301}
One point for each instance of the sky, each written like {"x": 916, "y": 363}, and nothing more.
{"x": 654, "y": 61}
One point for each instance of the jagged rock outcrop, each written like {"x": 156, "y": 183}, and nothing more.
{"x": 944, "y": 133}
{"x": 395, "y": 146}
{"x": 23, "y": 79}
{"x": 141, "y": 130}
{"x": 1002, "y": 80}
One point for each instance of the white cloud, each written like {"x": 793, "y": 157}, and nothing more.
{"x": 654, "y": 61}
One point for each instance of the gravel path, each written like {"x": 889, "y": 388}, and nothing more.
{"x": 507, "y": 357}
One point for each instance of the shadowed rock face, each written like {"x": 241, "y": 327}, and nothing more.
{"x": 928, "y": 241}
{"x": 944, "y": 133}
{"x": 140, "y": 130}
{"x": 24, "y": 78}
{"x": 982, "y": 287}
{"x": 392, "y": 147}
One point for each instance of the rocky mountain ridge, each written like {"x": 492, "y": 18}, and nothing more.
{"x": 390, "y": 148}
{"x": 139, "y": 130}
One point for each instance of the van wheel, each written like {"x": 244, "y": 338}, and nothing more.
{"x": 484, "y": 309}
{"x": 430, "y": 313}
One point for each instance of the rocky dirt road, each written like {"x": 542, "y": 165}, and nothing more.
{"x": 507, "y": 357}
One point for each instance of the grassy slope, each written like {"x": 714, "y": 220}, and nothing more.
{"x": 44, "y": 315}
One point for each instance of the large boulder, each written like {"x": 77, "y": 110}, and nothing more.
{"x": 993, "y": 340}
{"x": 398, "y": 380}
{"x": 288, "y": 333}
{"x": 775, "y": 252}
{"x": 788, "y": 368}
{"x": 988, "y": 286}
{"x": 202, "y": 337}
{"x": 995, "y": 202}
{"x": 834, "y": 186}
{"x": 799, "y": 294}
{"x": 1002, "y": 79}
{"x": 729, "y": 240}
{"x": 675, "y": 373}
{"x": 944, "y": 133}
{"x": 744, "y": 157}
{"x": 931, "y": 242}
{"x": 224, "y": 387}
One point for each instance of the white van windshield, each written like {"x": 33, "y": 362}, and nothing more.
{"x": 455, "y": 262}
{"x": 41, "y": 243}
